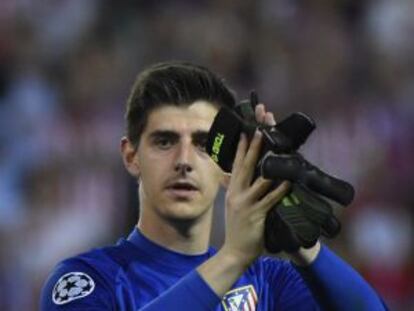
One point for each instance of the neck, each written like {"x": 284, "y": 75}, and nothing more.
{"x": 183, "y": 236}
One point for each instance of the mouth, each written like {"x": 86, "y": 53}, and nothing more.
{"x": 182, "y": 189}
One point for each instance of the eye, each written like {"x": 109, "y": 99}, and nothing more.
{"x": 163, "y": 142}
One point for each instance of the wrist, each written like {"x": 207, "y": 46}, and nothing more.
{"x": 235, "y": 258}
{"x": 222, "y": 270}
{"x": 305, "y": 256}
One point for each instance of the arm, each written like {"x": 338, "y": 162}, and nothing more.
{"x": 246, "y": 210}
{"x": 335, "y": 283}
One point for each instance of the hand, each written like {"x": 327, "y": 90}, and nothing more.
{"x": 304, "y": 256}
{"x": 247, "y": 203}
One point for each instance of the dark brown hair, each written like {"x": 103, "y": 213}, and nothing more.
{"x": 172, "y": 83}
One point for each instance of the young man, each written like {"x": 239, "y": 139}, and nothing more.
{"x": 166, "y": 262}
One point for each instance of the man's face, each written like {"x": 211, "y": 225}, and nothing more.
{"x": 178, "y": 180}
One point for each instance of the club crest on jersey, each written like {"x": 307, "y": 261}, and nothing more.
{"x": 240, "y": 299}
{"x": 72, "y": 286}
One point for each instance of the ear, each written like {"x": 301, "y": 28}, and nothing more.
{"x": 129, "y": 152}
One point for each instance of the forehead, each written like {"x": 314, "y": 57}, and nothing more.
{"x": 196, "y": 116}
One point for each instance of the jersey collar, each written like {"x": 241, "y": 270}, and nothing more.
{"x": 166, "y": 256}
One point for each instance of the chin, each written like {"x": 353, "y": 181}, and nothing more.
{"x": 184, "y": 211}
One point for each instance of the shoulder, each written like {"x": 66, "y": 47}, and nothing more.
{"x": 85, "y": 280}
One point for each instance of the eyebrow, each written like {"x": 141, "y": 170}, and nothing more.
{"x": 163, "y": 133}
{"x": 197, "y": 135}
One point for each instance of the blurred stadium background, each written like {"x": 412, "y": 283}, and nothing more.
{"x": 65, "y": 72}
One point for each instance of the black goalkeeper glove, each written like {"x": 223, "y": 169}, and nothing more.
{"x": 298, "y": 220}
{"x": 302, "y": 216}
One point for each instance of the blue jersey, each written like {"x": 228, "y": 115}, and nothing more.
{"x": 137, "y": 274}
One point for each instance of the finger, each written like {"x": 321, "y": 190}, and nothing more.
{"x": 269, "y": 119}
{"x": 260, "y": 113}
{"x": 268, "y": 201}
{"x": 250, "y": 160}
{"x": 240, "y": 154}
{"x": 259, "y": 188}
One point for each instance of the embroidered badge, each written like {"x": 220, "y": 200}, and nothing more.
{"x": 240, "y": 299}
{"x": 72, "y": 286}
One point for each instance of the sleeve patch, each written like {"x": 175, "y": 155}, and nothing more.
{"x": 72, "y": 286}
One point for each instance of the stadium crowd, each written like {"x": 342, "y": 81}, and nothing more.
{"x": 65, "y": 69}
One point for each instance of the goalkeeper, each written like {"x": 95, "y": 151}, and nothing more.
{"x": 166, "y": 262}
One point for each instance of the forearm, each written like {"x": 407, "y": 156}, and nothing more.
{"x": 203, "y": 288}
{"x": 222, "y": 271}
{"x": 337, "y": 285}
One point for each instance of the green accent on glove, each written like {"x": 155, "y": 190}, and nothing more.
{"x": 298, "y": 220}
{"x": 290, "y": 200}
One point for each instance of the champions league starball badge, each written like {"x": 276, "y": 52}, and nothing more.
{"x": 72, "y": 286}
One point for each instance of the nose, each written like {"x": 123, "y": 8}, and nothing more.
{"x": 183, "y": 168}
{"x": 184, "y": 157}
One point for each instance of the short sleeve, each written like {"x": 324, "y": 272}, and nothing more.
{"x": 73, "y": 285}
